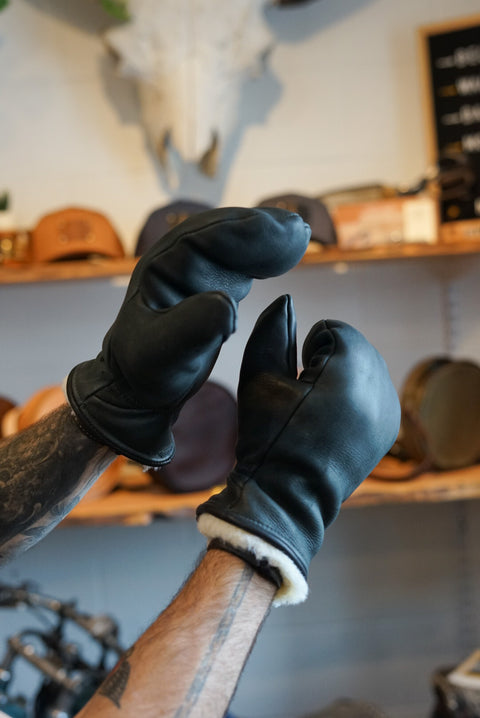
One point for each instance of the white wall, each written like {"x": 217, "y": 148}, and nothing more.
{"x": 395, "y": 591}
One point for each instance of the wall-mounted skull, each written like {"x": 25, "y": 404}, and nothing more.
{"x": 190, "y": 58}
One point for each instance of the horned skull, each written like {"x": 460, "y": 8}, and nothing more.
{"x": 189, "y": 59}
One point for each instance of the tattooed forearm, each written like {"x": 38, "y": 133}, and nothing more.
{"x": 218, "y": 640}
{"x": 188, "y": 662}
{"x": 44, "y": 472}
{"x": 113, "y": 687}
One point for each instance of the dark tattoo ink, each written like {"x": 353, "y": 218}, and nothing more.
{"x": 114, "y": 685}
{"x": 216, "y": 643}
{"x": 44, "y": 471}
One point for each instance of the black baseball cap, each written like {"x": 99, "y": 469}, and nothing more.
{"x": 311, "y": 210}
{"x": 162, "y": 220}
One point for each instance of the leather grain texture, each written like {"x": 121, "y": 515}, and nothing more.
{"x": 304, "y": 443}
{"x": 180, "y": 306}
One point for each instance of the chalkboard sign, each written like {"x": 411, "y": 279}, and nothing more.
{"x": 451, "y": 63}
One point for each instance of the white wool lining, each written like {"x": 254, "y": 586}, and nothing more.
{"x": 294, "y": 588}
{"x": 64, "y": 388}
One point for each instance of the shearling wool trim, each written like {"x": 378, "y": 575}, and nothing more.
{"x": 64, "y": 388}
{"x": 294, "y": 588}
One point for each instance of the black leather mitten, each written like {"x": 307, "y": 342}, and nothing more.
{"x": 304, "y": 443}
{"x": 179, "y": 308}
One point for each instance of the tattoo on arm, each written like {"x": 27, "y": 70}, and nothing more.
{"x": 116, "y": 682}
{"x": 218, "y": 639}
{"x": 44, "y": 472}
{"x": 114, "y": 685}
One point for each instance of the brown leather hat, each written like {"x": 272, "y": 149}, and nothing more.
{"x": 205, "y": 437}
{"x": 6, "y": 406}
{"x": 74, "y": 233}
{"x": 441, "y": 412}
{"x": 40, "y": 403}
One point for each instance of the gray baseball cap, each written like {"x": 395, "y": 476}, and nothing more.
{"x": 311, "y": 210}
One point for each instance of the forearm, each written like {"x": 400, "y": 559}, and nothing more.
{"x": 187, "y": 664}
{"x": 44, "y": 472}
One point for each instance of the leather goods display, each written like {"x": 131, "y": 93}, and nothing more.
{"x": 205, "y": 435}
{"x": 162, "y": 220}
{"x": 304, "y": 443}
{"x": 311, "y": 210}
{"x": 179, "y": 308}
{"x": 74, "y": 233}
{"x": 440, "y": 427}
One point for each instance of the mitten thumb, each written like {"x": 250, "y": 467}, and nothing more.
{"x": 267, "y": 380}
{"x": 272, "y": 347}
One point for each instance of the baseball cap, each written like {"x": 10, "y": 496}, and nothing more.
{"x": 311, "y": 210}
{"x": 162, "y": 220}
{"x": 205, "y": 436}
{"x": 74, "y": 233}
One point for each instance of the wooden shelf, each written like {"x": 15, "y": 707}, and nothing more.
{"x": 65, "y": 271}
{"x": 135, "y": 507}
{"x": 142, "y": 505}
{"x": 316, "y": 254}
{"x": 435, "y": 487}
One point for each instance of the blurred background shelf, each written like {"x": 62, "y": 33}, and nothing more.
{"x": 142, "y": 506}
{"x": 433, "y": 487}
{"x": 316, "y": 254}
{"x": 30, "y": 273}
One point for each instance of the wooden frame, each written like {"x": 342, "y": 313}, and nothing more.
{"x": 424, "y": 34}
{"x": 455, "y": 66}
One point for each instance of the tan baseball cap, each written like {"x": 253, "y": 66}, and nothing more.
{"x": 74, "y": 233}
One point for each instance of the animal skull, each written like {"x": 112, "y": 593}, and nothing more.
{"x": 189, "y": 59}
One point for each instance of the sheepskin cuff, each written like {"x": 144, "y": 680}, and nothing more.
{"x": 262, "y": 567}
{"x": 293, "y": 586}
